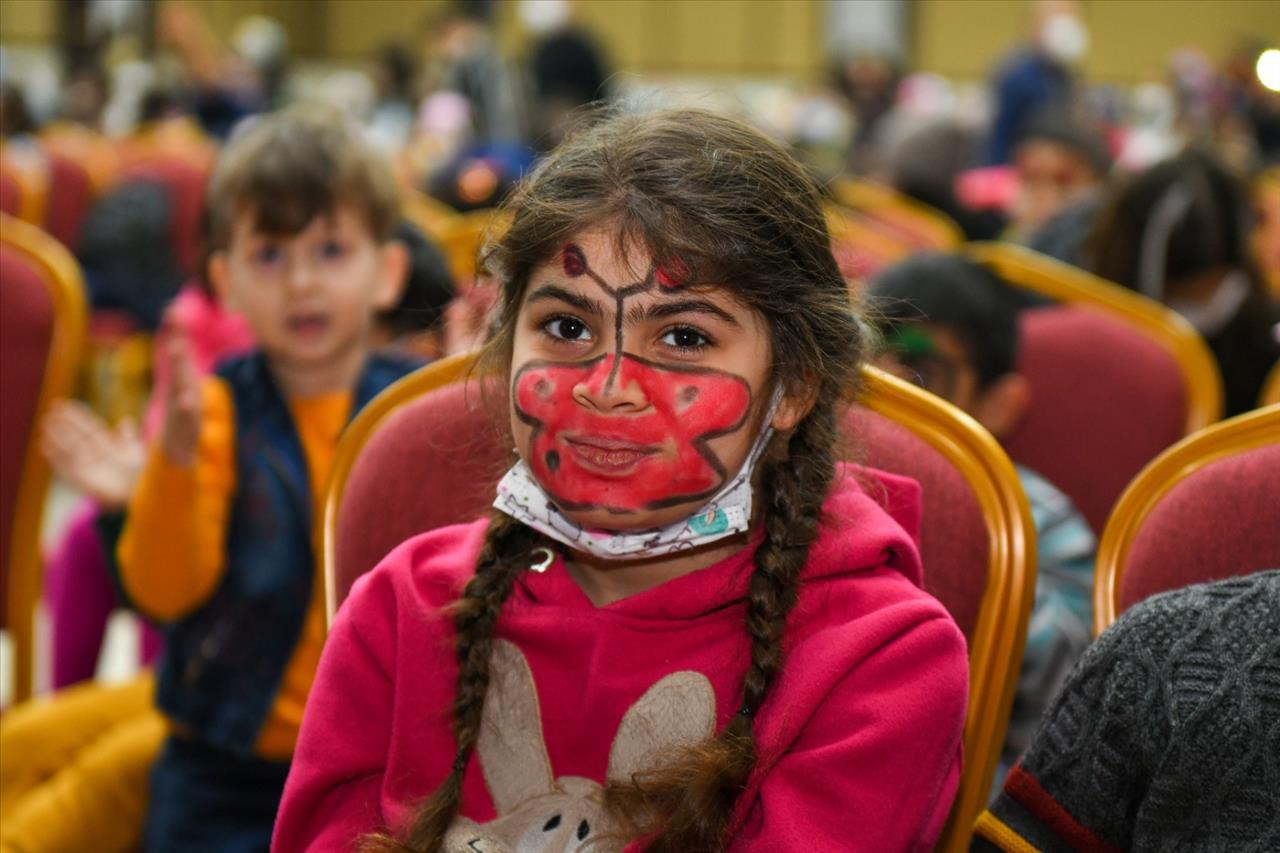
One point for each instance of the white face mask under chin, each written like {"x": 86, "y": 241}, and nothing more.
{"x": 1211, "y": 316}
{"x": 727, "y": 513}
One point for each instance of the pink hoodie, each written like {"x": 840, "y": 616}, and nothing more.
{"x": 859, "y": 740}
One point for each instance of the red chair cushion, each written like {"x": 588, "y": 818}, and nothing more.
{"x": 1221, "y": 521}
{"x": 26, "y": 332}
{"x": 10, "y": 194}
{"x": 70, "y": 195}
{"x": 433, "y": 462}
{"x": 954, "y": 547}
{"x": 436, "y": 460}
{"x": 1105, "y": 399}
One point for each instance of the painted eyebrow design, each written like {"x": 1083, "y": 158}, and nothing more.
{"x": 660, "y": 310}
{"x": 577, "y": 300}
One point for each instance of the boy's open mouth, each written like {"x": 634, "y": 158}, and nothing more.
{"x": 607, "y": 455}
{"x": 307, "y": 324}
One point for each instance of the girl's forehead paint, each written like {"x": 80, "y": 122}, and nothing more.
{"x": 573, "y": 261}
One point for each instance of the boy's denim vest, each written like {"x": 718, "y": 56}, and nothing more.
{"x": 223, "y": 664}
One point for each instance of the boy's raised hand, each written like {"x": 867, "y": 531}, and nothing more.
{"x": 181, "y": 430}
{"x": 84, "y": 450}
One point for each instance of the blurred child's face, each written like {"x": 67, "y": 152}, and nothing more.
{"x": 936, "y": 359}
{"x": 309, "y": 298}
{"x": 1050, "y": 176}
{"x": 933, "y": 358}
{"x": 634, "y": 398}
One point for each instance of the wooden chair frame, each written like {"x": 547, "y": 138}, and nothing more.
{"x": 1249, "y": 431}
{"x": 61, "y": 369}
{"x": 1270, "y": 395}
{"x": 1032, "y": 271}
{"x": 995, "y": 654}
{"x": 867, "y": 196}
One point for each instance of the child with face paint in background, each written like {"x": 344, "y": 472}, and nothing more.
{"x": 685, "y": 626}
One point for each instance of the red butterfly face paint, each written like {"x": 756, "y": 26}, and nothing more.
{"x": 586, "y": 455}
{"x": 628, "y": 430}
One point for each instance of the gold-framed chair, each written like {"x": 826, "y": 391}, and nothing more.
{"x": 42, "y": 314}
{"x": 1270, "y": 394}
{"x": 462, "y": 238}
{"x": 1205, "y": 509}
{"x": 1115, "y": 378}
{"x": 434, "y": 425}
{"x": 923, "y": 227}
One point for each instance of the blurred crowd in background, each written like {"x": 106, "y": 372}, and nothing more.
{"x": 1169, "y": 187}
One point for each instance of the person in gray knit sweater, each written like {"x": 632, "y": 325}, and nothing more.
{"x": 1166, "y": 735}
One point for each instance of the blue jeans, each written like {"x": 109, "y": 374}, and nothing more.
{"x": 204, "y": 800}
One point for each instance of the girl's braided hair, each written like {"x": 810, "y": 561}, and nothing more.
{"x": 740, "y": 212}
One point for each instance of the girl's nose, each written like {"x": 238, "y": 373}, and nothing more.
{"x": 611, "y": 388}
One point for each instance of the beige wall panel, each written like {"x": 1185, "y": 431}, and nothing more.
{"x": 964, "y": 38}
{"x": 355, "y": 30}
{"x": 1131, "y": 39}
{"x": 28, "y": 21}
{"x": 625, "y": 29}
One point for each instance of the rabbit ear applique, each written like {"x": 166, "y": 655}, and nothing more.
{"x": 513, "y": 754}
{"x": 677, "y": 711}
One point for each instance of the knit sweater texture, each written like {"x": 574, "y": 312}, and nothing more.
{"x": 1165, "y": 737}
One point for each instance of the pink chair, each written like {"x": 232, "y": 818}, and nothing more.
{"x": 42, "y": 320}
{"x": 1207, "y": 508}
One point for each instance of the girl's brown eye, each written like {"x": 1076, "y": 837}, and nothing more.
{"x": 685, "y": 338}
{"x": 567, "y": 329}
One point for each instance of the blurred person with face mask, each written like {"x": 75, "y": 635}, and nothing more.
{"x": 1177, "y": 233}
{"x": 1038, "y": 79}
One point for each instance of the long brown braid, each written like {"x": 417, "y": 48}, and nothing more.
{"x": 503, "y": 556}
{"x": 736, "y": 208}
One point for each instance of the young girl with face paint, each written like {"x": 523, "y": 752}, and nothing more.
{"x": 686, "y": 625}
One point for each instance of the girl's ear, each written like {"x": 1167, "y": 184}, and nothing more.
{"x": 795, "y": 406}
{"x": 220, "y": 280}
{"x": 394, "y": 269}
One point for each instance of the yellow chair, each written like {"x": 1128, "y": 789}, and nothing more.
{"x": 433, "y": 217}
{"x": 433, "y": 432}
{"x": 464, "y": 237}
{"x": 924, "y": 227}
{"x": 1205, "y": 509}
{"x": 1271, "y": 388}
{"x": 42, "y": 314}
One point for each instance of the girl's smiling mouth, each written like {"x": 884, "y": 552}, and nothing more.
{"x": 607, "y": 456}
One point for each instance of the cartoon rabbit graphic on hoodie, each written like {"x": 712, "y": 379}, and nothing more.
{"x": 536, "y": 810}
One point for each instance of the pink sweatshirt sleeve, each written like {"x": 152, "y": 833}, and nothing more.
{"x": 877, "y": 765}
{"x": 332, "y": 796}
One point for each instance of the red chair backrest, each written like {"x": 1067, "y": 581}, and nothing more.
{"x": 71, "y": 192}
{"x": 10, "y": 194}
{"x": 436, "y": 459}
{"x": 185, "y": 182}
{"x": 1105, "y": 399}
{"x": 1220, "y": 521}
{"x": 26, "y": 333}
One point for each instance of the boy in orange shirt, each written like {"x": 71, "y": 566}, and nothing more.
{"x": 217, "y": 542}
{"x": 217, "y": 539}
